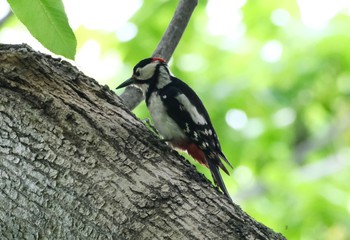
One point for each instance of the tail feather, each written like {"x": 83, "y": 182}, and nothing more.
{"x": 212, "y": 163}
{"x": 215, "y": 173}
{"x": 222, "y": 166}
{"x": 225, "y": 159}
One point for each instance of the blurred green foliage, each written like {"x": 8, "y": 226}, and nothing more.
{"x": 292, "y": 156}
{"x": 278, "y": 92}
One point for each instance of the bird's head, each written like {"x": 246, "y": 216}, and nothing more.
{"x": 144, "y": 72}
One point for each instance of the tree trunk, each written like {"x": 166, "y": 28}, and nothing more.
{"x": 75, "y": 163}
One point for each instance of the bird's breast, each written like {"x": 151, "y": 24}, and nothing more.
{"x": 165, "y": 125}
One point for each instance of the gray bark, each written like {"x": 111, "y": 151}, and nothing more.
{"x": 75, "y": 163}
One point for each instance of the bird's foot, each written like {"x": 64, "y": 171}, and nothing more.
{"x": 150, "y": 126}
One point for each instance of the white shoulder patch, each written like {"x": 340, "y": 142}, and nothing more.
{"x": 164, "y": 77}
{"x": 195, "y": 115}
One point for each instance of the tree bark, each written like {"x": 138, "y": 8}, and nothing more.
{"x": 75, "y": 163}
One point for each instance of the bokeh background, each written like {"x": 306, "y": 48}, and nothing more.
{"x": 275, "y": 78}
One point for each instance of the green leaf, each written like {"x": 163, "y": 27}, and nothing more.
{"x": 47, "y": 22}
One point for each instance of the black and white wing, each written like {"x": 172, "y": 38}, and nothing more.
{"x": 187, "y": 110}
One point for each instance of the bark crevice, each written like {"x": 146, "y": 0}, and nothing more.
{"x": 75, "y": 163}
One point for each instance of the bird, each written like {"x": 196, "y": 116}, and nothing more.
{"x": 179, "y": 115}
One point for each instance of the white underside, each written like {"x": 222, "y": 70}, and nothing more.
{"x": 165, "y": 125}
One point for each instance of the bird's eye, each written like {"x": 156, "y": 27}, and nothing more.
{"x": 137, "y": 72}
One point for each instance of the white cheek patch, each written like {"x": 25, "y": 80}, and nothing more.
{"x": 195, "y": 115}
{"x": 147, "y": 71}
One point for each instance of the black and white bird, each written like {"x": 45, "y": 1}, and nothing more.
{"x": 179, "y": 115}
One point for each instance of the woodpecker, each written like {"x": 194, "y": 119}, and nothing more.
{"x": 179, "y": 115}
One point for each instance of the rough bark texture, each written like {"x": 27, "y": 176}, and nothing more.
{"x": 76, "y": 164}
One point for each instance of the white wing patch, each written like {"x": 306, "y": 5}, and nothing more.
{"x": 195, "y": 115}
{"x": 187, "y": 129}
{"x": 207, "y": 132}
{"x": 196, "y": 135}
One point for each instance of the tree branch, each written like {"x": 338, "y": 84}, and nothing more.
{"x": 132, "y": 96}
{"x": 176, "y": 28}
{"x": 332, "y": 132}
{"x": 4, "y": 19}
{"x": 76, "y": 164}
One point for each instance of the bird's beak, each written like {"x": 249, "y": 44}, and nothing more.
{"x": 126, "y": 83}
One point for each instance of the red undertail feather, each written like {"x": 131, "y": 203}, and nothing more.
{"x": 213, "y": 165}
{"x": 194, "y": 151}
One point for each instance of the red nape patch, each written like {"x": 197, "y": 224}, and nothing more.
{"x": 158, "y": 59}
{"x": 194, "y": 151}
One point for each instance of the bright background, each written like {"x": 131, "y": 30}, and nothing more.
{"x": 275, "y": 78}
